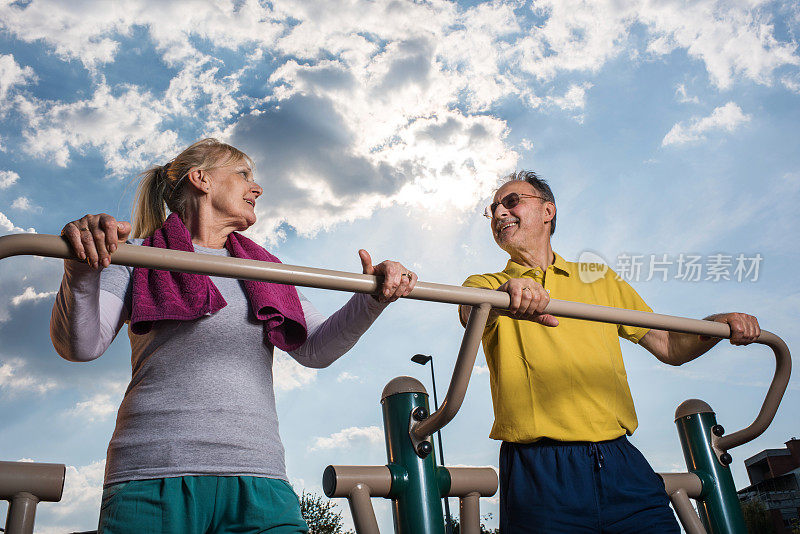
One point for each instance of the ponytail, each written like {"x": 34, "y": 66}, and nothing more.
{"x": 162, "y": 187}
{"x": 149, "y": 211}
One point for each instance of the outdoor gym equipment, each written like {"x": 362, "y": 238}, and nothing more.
{"x": 411, "y": 479}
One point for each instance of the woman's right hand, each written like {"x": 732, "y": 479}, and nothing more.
{"x": 95, "y": 237}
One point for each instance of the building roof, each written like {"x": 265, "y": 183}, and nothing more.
{"x": 765, "y": 454}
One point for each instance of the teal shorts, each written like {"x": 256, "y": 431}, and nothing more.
{"x": 200, "y": 505}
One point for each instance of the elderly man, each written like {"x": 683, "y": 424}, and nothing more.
{"x": 561, "y": 399}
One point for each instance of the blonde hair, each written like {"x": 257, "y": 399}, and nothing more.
{"x": 163, "y": 186}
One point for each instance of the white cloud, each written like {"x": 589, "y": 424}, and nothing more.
{"x": 287, "y": 374}
{"x": 577, "y": 36}
{"x": 31, "y": 295}
{"x": 24, "y": 204}
{"x": 481, "y": 369}
{"x": 12, "y": 74}
{"x": 732, "y": 39}
{"x": 7, "y": 227}
{"x": 101, "y": 405}
{"x": 347, "y": 437}
{"x": 344, "y": 376}
{"x": 683, "y": 97}
{"x": 792, "y": 83}
{"x": 724, "y": 118}
{"x": 126, "y": 126}
{"x": 14, "y": 379}
{"x": 402, "y": 112}
{"x": 8, "y": 178}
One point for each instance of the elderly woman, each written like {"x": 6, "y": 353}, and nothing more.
{"x": 196, "y": 446}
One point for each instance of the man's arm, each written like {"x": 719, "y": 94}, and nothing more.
{"x": 675, "y": 348}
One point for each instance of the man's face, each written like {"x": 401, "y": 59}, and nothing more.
{"x": 524, "y": 224}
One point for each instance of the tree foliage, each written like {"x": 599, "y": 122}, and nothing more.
{"x": 757, "y": 518}
{"x": 321, "y": 515}
{"x": 484, "y": 528}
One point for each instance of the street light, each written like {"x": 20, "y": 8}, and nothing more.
{"x": 423, "y": 359}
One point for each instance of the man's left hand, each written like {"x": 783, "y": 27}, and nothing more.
{"x": 744, "y": 328}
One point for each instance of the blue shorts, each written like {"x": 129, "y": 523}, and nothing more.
{"x": 605, "y": 487}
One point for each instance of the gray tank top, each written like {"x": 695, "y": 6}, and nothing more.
{"x": 200, "y": 400}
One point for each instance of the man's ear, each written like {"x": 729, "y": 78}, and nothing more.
{"x": 199, "y": 180}
{"x": 549, "y": 211}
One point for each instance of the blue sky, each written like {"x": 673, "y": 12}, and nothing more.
{"x": 665, "y": 128}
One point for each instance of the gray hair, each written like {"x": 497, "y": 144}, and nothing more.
{"x": 538, "y": 183}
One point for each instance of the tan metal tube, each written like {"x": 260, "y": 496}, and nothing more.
{"x": 44, "y": 481}
{"x": 689, "y": 482}
{"x": 686, "y": 512}
{"x": 783, "y": 370}
{"x": 339, "y": 480}
{"x": 469, "y": 513}
{"x": 461, "y": 373}
{"x": 54, "y": 246}
{"x": 466, "y": 480}
{"x": 21, "y": 514}
{"x": 361, "y": 508}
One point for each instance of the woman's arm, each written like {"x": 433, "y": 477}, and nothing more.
{"x": 329, "y": 339}
{"x": 85, "y": 319}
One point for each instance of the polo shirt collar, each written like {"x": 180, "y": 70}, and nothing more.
{"x": 515, "y": 270}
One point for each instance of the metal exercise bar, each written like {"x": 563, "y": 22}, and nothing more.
{"x": 717, "y": 511}
{"x": 24, "y": 485}
{"x": 138, "y": 256}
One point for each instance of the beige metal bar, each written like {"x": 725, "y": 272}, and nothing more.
{"x": 783, "y": 370}
{"x": 686, "y": 512}
{"x": 339, "y": 480}
{"x": 54, "y": 246}
{"x": 689, "y": 482}
{"x": 461, "y": 373}
{"x": 358, "y": 483}
{"x": 362, "y": 511}
{"x": 24, "y": 485}
{"x": 44, "y": 481}
{"x": 466, "y": 480}
{"x": 21, "y": 514}
{"x": 679, "y": 487}
{"x": 469, "y": 513}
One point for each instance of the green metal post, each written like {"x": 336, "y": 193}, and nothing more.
{"x": 718, "y": 507}
{"x": 417, "y": 507}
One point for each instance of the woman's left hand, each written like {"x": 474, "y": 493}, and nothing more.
{"x": 397, "y": 280}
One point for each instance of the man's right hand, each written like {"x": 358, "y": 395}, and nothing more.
{"x": 95, "y": 237}
{"x": 528, "y": 301}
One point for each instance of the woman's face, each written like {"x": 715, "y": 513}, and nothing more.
{"x": 233, "y": 194}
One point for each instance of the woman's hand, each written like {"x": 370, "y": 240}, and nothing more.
{"x": 528, "y": 301}
{"x": 397, "y": 280}
{"x": 95, "y": 237}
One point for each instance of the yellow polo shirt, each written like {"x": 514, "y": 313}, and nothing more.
{"x": 567, "y": 382}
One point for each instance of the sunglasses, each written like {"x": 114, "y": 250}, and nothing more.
{"x": 509, "y": 201}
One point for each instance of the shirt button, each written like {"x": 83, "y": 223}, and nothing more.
{"x": 537, "y": 273}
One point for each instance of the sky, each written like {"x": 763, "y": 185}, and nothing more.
{"x": 667, "y": 130}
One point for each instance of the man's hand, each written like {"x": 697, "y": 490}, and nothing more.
{"x": 528, "y": 301}
{"x": 744, "y": 328}
{"x": 675, "y": 348}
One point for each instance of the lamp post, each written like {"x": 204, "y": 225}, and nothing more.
{"x": 423, "y": 359}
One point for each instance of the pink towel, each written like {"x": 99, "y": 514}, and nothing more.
{"x": 160, "y": 295}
